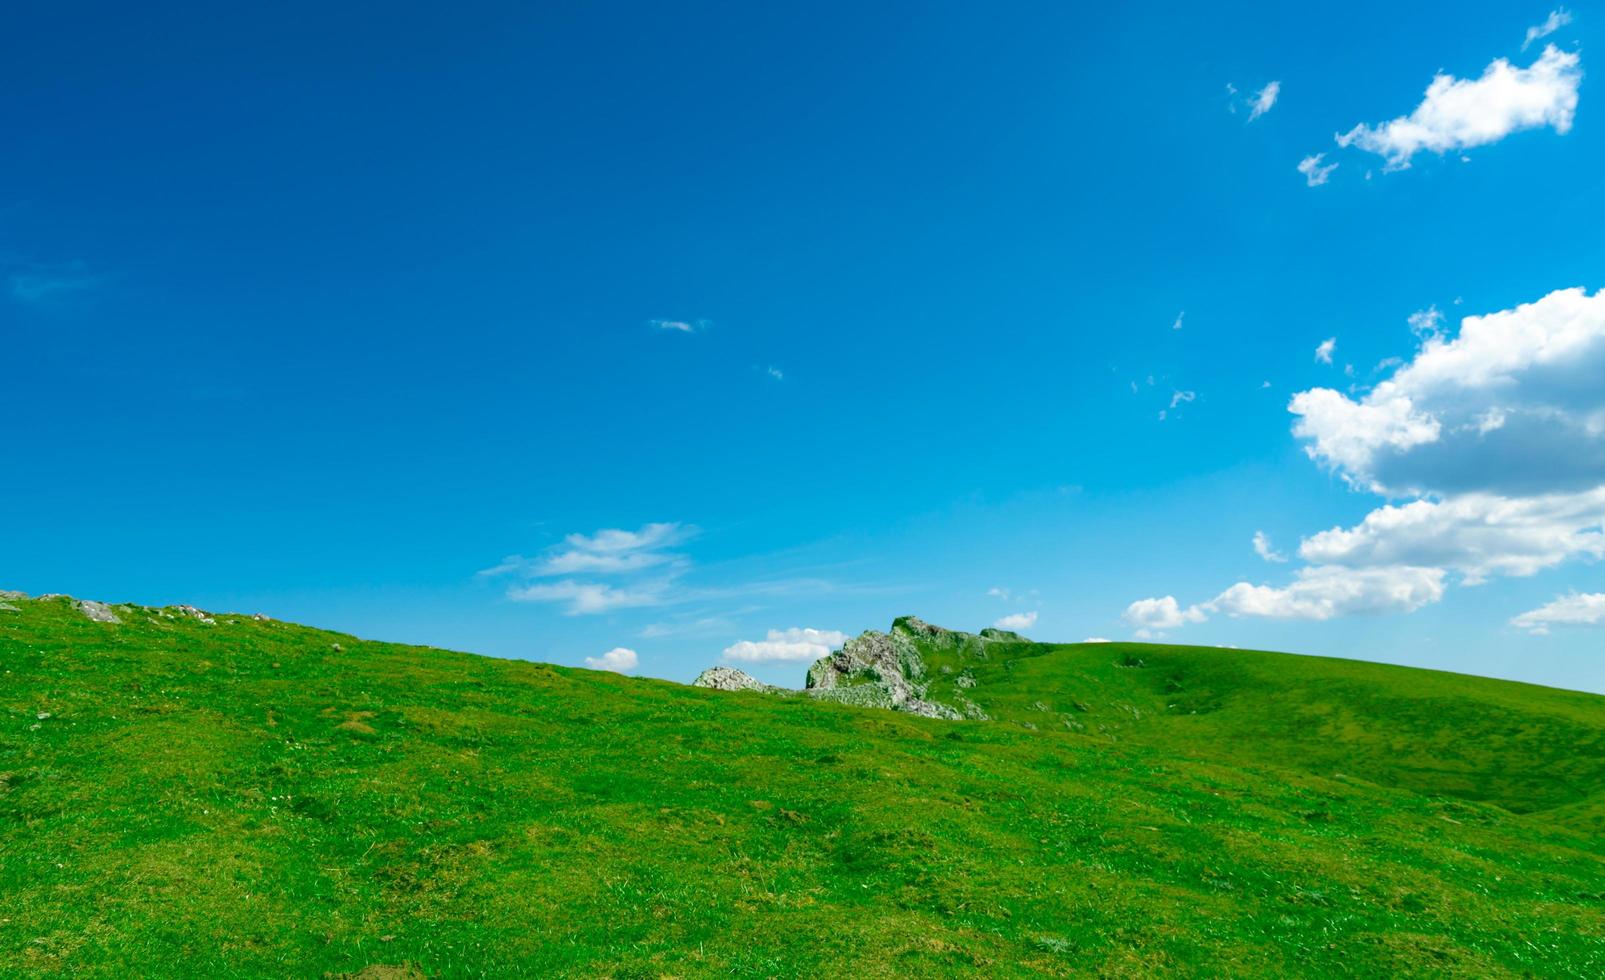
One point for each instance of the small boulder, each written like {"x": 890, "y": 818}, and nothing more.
{"x": 199, "y": 615}
{"x": 730, "y": 679}
{"x": 97, "y": 611}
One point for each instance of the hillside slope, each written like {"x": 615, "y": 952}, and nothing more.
{"x": 1525, "y": 748}
{"x": 236, "y": 797}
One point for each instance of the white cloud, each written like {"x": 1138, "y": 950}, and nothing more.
{"x": 1323, "y": 350}
{"x": 786, "y": 645}
{"x": 1262, "y": 547}
{"x": 620, "y": 660}
{"x": 1496, "y": 431}
{"x": 1577, "y": 609}
{"x": 999, "y": 592}
{"x": 1263, "y": 100}
{"x": 1314, "y": 174}
{"x": 1017, "y": 621}
{"x": 1426, "y": 324}
{"x": 680, "y": 326}
{"x": 608, "y": 552}
{"x": 1514, "y": 403}
{"x": 1326, "y": 591}
{"x": 1096, "y": 639}
{"x": 1478, "y": 535}
{"x": 1161, "y": 614}
{"x": 1457, "y": 113}
{"x": 1179, "y": 318}
{"x": 775, "y": 373}
{"x": 585, "y": 598}
{"x": 1182, "y": 397}
{"x": 1555, "y": 21}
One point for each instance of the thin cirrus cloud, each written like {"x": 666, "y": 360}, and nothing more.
{"x": 1557, "y": 19}
{"x": 786, "y": 646}
{"x": 1491, "y": 442}
{"x": 1263, "y": 100}
{"x": 1577, "y": 609}
{"x": 680, "y": 326}
{"x": 1460, "y": 113}
{"x": 43, "y": 285}
{"x": 610, "y": 552}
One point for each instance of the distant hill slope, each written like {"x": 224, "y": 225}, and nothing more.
{"x": 181, "y": 797}
{"x": 1525, "y": 748}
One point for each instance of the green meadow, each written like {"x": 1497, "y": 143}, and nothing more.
{"x": 255, "y": 798}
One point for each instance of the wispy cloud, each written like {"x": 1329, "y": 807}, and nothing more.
{"x": 1557, "y": 19}
{"x": 1314, "y": 173}
{"x": 1262, "y": 547}
{"x": 1323, "y": 350}
{"x": 1263, "y": 100}
{"x": 681, "y": 326}
{"x": 39, "y": 285}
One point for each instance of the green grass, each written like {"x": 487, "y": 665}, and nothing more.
{"x": 242, "y": 799}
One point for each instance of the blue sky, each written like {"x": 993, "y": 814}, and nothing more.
{"x": 552, "y": 330}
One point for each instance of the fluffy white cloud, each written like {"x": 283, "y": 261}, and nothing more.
{"x": 620, "y": 660}
{"x": 1323, "y": 350}
{"x": 1095, "y": 639}
{"x": 1577, "y": 609}
{"x": 1262, "y": 101}
{"x": 1555, "y": 21}
{"x": 1163, "y": 613}
{"x": 1460, "y": 113}
{"x": 786, "y": 645}
{"x": 1514, "y": 403}
{"x": 1498, "y": 432}
{"x": 1017, "y": 621}
{"x": 1262, "y": 547}
{"x": 1314, "y": 173}
{"x": 1325, "y": 591}
{"x": 1478, "y": 535}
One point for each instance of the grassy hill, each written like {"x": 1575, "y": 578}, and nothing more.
{"x": 244, "y": 798}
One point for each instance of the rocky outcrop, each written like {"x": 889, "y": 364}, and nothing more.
{"x": 877, "y": 670}
{"x": 731, "y": 679}
{"x": 97, "y": 611}
{"x": 886, "y": 670}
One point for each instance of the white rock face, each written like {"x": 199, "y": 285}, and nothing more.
{"x": 730, "y": 679}
{"x": 97, "y": 611}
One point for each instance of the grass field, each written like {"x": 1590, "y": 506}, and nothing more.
{"x": 249, "y": 798}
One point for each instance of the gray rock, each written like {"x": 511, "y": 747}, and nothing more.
{"x": 262, "y": 617}
{"x": 965, "y": 680}
{"x": 881, "y": 670}
{"x": 12, "y": 594}
{"x": 97, "y": 611}
{"x": 8, "y": 607}
{"x": 199, "y": 615}
{"x": 730, "y": 679}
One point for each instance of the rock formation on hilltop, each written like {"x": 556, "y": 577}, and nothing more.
{"x": 881, "y": 670}
{"x": 731, "y": 679}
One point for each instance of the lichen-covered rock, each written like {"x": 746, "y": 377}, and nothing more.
{"x": 199, "y": 615}
{"x": 882, "y": 670}
{"x": 97, "y": 611}
{"x": 731, "y": 679}
{"x": 12, "y": 594}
